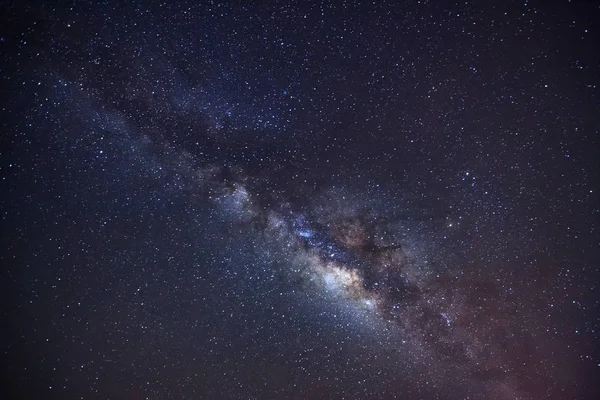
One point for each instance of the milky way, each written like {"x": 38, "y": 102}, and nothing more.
{"x": 345, "y": 256}
{"x": 304, "y": 201}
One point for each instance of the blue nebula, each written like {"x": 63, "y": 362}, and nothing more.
{"x": 305, "y": 233}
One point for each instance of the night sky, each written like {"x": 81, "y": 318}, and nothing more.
{"x": 300, "y": 200}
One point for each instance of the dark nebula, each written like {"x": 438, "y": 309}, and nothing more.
{"x": 300, "y": 200}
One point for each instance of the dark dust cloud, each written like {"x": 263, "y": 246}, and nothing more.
{"x": 300, "y": 200}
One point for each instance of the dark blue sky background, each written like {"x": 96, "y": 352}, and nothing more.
{"x": 162, "y": 163}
